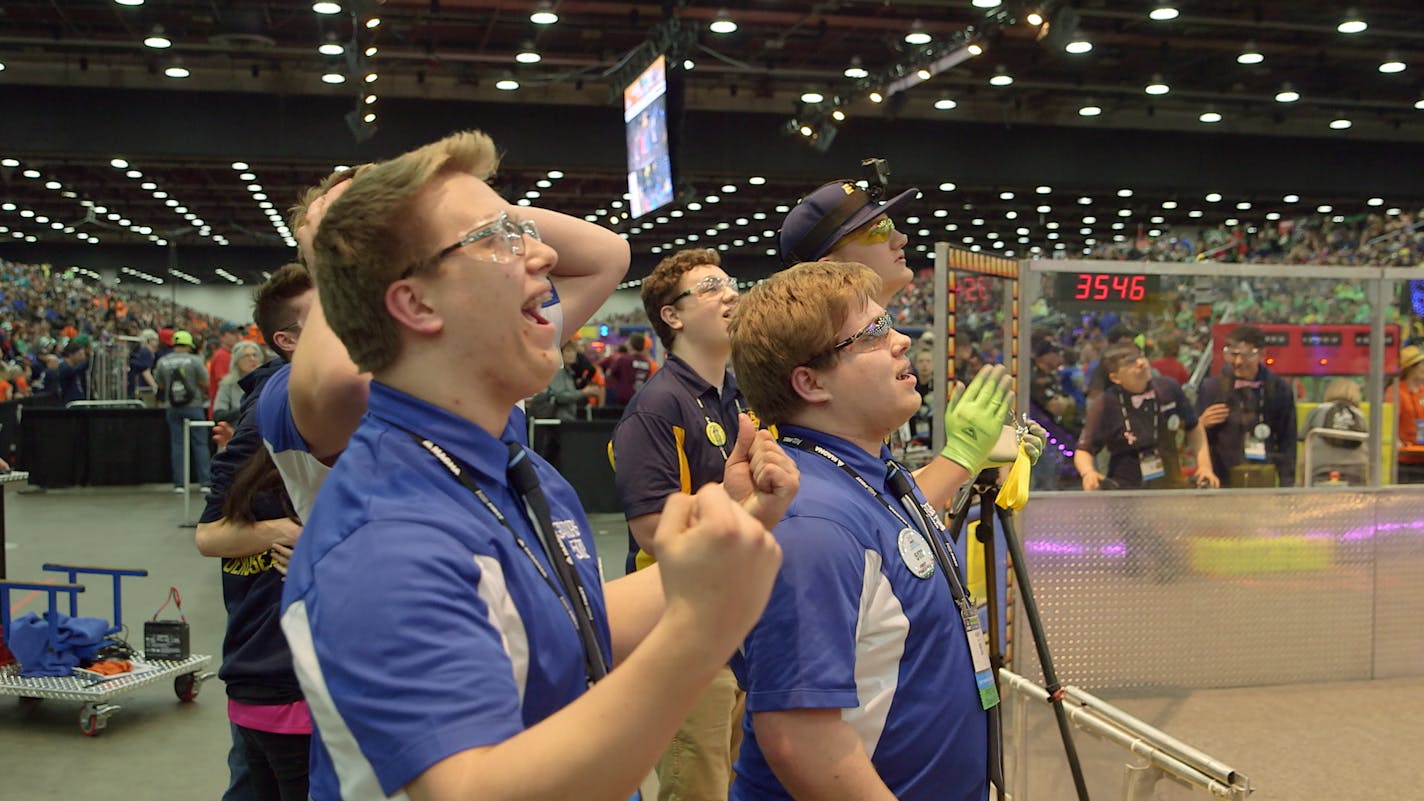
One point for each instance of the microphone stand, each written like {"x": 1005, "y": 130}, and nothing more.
{"x": 985, "y": 488}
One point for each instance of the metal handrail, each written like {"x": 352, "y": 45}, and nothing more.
{"x": 1165, "y": 755}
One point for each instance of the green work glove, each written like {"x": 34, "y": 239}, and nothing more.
{"x": 974, "y": 417}
{"x": 1033, "y": 441}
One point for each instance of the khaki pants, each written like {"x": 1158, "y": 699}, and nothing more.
{"x": 698, "y": 764}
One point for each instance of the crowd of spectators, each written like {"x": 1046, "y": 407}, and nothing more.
{"x": 50, "y": 318}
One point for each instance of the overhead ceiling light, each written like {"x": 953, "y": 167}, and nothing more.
{"x": 543, "y": 13}
{"x": 1043, "y": 190}
{"x": 1124, "y": 193}
{"x": 331, "y": 47}
{"x": 239, "y": 165}
{"x": 1250, "y": 55}
{"x": 987, "y": 4}
{"x": 506, "y": 84}
{"x": 1391, "y": 64}
{"x": 723, "y": 23}
{"x": 370, "y": 99}
{"x": 1211, "y": 115}
{"x": 1291, "y": 199}
{"x": 838, "y": 115}
{"x": 1078, "y": 44}
{"x": 1090, "y": 109}
{"x": 856, "y": 69}
{"x": 1340, "y": 124}
{"x": 876, "y": 97}
{"x": 527, "y": 54}
{"x": 1157, "y": 86}
{"x": 326, "y": 8}
{"x": 1419, "y": 104}
{"x": 1164, "y": 11}
{"x": 1213, "y": 197}
{"x": 371, "y": 51}
{"x": 129, "y": 2}
{"x": 1352, "y": 23}
{"x": 812, "y": 96}
{"x": 556, "y": 174}
{"x": 373, "y": 22}
{"x": 1288, "y": 94}
{"x": 947, "y": 186}
{"x": 119, "y": 164}
{"x": 333, "y": 77}
{"x": 157, "y": 40}
{"x": 945, "y": 104}
{"x": 176, "y": 70}
{"x": 917, "y": 35}
{"x": 1034, "y": 18}
{"x": 1001, "y": 77}
{"x": 370, "y": 117}
{"x": 688, "y": 64}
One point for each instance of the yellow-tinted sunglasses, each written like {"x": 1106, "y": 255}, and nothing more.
{"x": 870, "y": 235}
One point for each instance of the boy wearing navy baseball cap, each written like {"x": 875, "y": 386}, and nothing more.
{"x": 842, "y": 222}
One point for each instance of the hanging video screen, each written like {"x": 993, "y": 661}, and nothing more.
{"x": 645, "y": 122}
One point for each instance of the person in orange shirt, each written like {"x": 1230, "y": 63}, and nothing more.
{"x": 1409, "y": 407}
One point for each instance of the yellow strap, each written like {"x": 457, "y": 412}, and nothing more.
{"x": 1014, "y": 493}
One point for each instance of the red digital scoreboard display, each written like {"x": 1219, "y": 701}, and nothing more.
{"x": 1315, "y": 349}
{"x": 1086, "y": 291}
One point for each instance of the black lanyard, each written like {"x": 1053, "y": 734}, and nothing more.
{"x": 584, "y": 624}
{"x": 710, "y": 422}
{"x": 944, "y": 555}
{"x": 1125, "y": 400}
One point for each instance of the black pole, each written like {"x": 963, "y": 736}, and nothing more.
{"x": 985, "y": 535}
{"x": 1040, "y": 642}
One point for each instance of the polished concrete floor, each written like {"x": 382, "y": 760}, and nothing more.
{"x": 1296, "y": 743}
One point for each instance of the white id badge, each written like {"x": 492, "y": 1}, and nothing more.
{"x": 983, "y": 671}
{"x": 1256, "y": 449}
{"x": 1151, "y": 464}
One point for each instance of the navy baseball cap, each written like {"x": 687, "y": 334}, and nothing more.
{"x": 826, "y": 215}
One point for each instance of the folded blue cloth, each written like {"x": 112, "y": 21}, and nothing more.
{"x": 55, "y": 644}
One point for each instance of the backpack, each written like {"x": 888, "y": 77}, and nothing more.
{"x": 1342, "y": 416}
{"x": 180, "y": 392}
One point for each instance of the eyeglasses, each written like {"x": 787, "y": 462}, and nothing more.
{"x": 870, "y": 235}
{"x": 707, "y": 286}
{"x": 1232, "y": 354}
{"x": 872, "y": 333}
{"x": 500, "y": 242}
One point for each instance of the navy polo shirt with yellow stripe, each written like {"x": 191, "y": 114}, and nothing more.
{"x": 667, "y": 442}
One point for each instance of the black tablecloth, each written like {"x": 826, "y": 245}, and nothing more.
{"x": 93, "y": 446}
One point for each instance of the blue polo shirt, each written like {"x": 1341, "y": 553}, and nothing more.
{"x": 418, "y": 627}
{"x": 849, "y": 627}
{"x": 662, "y": 443}
{"x": 303, "y": 473}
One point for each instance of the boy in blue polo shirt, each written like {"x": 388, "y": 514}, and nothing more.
{"x": 445, "y": 607}
{"x": 864, "y": 675}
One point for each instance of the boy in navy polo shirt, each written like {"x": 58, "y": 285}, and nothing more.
{"x": 445, "y": 608}
{"x": 862, "y": 680}
{"x": 679, "y": 433}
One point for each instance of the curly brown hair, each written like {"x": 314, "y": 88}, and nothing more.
{"x": 660, "y": 287}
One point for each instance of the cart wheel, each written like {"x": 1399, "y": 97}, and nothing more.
{"x": 186, "y": 687}
{"x": 91, "y": 721}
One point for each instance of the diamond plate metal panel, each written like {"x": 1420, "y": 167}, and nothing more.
{"x": 1399, "y": 581}
{"x": 1208, "y": 589}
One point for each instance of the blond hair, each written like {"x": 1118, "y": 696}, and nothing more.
{"x": 791, "y": 321}
{"x": 369, "y": 237}
{"x": 1342, "y": 389}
